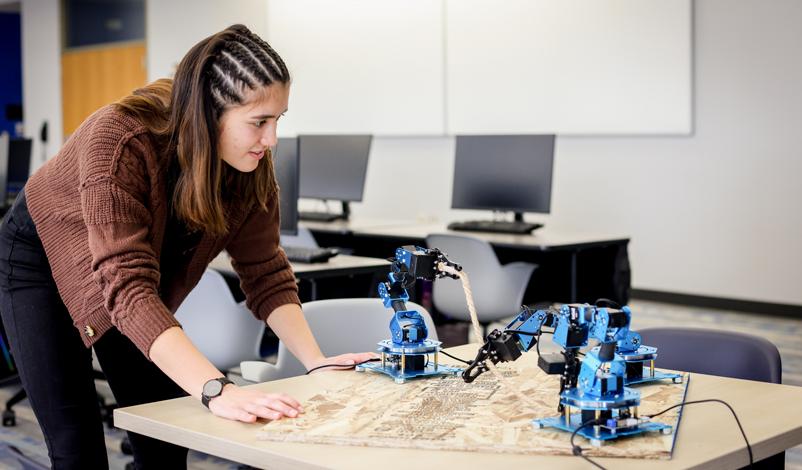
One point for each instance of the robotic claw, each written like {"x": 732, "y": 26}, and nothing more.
{"x": 594, "y": 386}
{"x": 406, "y": 354}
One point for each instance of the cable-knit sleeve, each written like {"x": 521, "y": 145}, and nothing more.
{"x": 114, "y": 202}
{"x": 265, "y": 275}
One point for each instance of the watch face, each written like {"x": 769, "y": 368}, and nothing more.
{"x": 212, "y": 388}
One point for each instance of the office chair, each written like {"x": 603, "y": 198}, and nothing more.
{"x": 498, "y": 290}
{"x": 340, "y": 326}
{"x": 716, "y": 352}
{"x": 222, "y": 329}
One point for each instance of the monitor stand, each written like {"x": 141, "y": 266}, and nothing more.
{"x": 326, "y": 216}
{"x": 517, "y": 226}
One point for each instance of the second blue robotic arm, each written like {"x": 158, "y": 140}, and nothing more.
{"x": 574, "y": 325}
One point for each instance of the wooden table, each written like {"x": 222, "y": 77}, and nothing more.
{"x": 707, "y": 437}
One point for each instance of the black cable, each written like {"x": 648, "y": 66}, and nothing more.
{"x": 536, "y": 335}
{"x": 342, "y": 366}
{"x": 576, "y": 450}
{"x": 454, "y": 357}
{"x": 716, "y": 400}
{"x": 525, "y": 333}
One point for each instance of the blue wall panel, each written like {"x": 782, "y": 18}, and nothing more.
{"x": 10, "y": 67}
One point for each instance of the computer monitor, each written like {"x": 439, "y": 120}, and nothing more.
{"x": 285, "y": 163}
{"x": 19, "y": 165}
{"x": 333, "y": 167}
{"x": 503, "y": 173}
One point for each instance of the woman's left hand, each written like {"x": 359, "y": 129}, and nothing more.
{"x": 347, "y": 361}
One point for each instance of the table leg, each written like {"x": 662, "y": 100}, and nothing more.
{"x": 573, "y": 276}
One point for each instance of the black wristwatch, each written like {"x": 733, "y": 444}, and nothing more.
{"x": 213, "y": 388}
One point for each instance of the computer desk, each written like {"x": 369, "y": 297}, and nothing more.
{"x": 707, "y": 435}
{"x": 349, "y": 226}
{"x": 557, "y": 251}
{"x": 340, "y": 265}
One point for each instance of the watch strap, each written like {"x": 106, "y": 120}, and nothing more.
{"x": 206, "y": 398}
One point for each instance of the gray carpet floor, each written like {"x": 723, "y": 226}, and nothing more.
{"x": 786, "y": 333}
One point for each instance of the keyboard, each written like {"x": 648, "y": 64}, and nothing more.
{"x": 303, "y": 254}
{"x": 319, "y": 216}
{"x": 495, "y": 226}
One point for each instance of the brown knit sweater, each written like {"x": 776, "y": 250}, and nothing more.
{"x": 101, "y": 209}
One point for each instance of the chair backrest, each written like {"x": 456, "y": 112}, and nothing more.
{"x": 343, "y": 326}
{"x": 715, "y": 352}
{"x": 304, "y": 238}
{"x": 497, "y": 290}
{"x": 222, "y": 329}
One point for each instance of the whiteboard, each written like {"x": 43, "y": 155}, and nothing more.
{"x": 568, "y": 66}
{"x": 361, "y": 66}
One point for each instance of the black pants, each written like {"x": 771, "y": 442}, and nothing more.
{"x": 56, "y": 367}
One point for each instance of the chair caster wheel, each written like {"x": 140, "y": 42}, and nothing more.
{"x": 125, "y": 447}
{"x": 9, "y": 418}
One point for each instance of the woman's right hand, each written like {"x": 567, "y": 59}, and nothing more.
{"x": 247, "y": 405}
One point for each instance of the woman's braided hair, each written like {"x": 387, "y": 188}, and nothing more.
{"x": 219, "y": 72}
{"x": 243, "y": 62}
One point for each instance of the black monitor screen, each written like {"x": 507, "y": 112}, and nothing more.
{"x": 19, "y": 164}
{"x": 285, "y": 162}
{"x": 511, "y": 173}
{"x": 333, "y": 166}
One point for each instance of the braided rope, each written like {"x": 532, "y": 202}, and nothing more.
{"x": 477, "y": 328}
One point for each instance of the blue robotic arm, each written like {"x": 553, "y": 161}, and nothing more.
{"x": 594, "y": 386}
{"x": 410, "y": 263}
{"x": 405, "y": 355}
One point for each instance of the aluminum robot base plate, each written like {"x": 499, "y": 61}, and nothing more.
{"x": 393, "y": 356}
{"x": 599, "y": 434}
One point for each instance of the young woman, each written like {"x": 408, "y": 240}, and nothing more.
{"x": 110, "y": 236}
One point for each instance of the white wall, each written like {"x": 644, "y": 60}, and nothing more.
{"x": 716, "y": 213}
{"x": 353, "y": 60}
{"x": 41, "y": 74}
{"x": 172, "y": 27}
